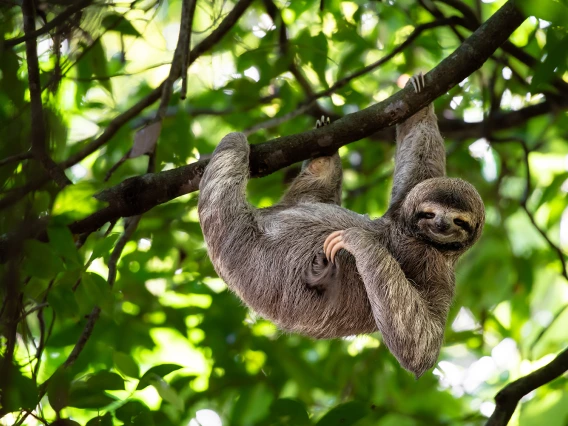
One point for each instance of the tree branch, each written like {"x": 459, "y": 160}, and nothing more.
{"x": 38, "y": 134}
{"x": 508, "y": 398}
{"x": 139, "y": 194}
{"x": 58, "y": 20}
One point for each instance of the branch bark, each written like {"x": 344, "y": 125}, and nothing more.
{"x": 508, "y": 398}
{"x": 137, "y": 195}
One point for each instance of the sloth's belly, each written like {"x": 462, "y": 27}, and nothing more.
{"x": 289, "y": 240}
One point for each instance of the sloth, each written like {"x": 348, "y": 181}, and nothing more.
{"x": 321, "y": 270}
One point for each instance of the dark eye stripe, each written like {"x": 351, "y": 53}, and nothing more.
{"x": 426, "y": 215}
{"x": 463, "y": 224}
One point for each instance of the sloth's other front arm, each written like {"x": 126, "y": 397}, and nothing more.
{"x": 420, "y": 151}
{"x": 411, "y": 329}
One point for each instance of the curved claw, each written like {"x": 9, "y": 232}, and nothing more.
{"x": 333, "y": 243}
{"x": 417, "y": 82}
{"x": 324, "y": 121}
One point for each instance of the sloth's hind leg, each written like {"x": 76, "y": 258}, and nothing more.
{"x": 319, "y": 181}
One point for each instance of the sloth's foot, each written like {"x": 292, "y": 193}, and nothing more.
{"x": 320, "y": 274}
{"x": 324, "y": 121}
{"x": 333, "y": 243}
{"x": 417, "y": 82}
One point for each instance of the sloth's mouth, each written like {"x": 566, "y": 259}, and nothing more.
{"x": 443, "y": 237}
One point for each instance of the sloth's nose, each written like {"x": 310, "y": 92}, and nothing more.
{"x": 442, "y": 223}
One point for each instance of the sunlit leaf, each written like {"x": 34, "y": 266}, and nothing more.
{"x": 158, "y": 371}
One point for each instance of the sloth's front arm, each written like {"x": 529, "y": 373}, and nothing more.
{"x": 412, "y": 332}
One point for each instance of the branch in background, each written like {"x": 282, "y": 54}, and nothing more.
{"x": 471, "y": 22}
{"x": 38, "y": 133}
{"x": 116, "y": 124}
{"x": 16, "y": 158}
{"x": 137, "y": 195}
{"x": 58, "y": 20}
{"x": 508, "y": 398}
{"x": 365, "y": 70}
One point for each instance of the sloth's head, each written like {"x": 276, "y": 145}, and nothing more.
{"x": 448, "y": 213}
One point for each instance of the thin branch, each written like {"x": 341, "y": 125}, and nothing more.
{"x": 545, "y": 329}
{"x": 365, "y": 70}
{"x": 557, "y": 249}
{"x": 16, "y": 158}
{"x": 32, "y": 310}
{"x": 58, "y": 20}
{"x": 137, "y": 195}
{"x": 38, "y": 133}
{"x": 508, "y": 398}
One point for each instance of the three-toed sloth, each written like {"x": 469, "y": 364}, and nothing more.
{"x": 316, "y": 268}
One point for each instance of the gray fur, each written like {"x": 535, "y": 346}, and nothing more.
{"x": 392, "y": 277}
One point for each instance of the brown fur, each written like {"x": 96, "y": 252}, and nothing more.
{"x": 392, "y": 277}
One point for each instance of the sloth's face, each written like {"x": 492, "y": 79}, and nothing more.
{"x": 444, "y": 225}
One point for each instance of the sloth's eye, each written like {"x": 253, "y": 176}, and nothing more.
{"x": 426, "y": 215}
{"x": 460, "y": 223}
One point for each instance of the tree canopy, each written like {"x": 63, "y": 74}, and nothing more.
{"x": 109, "y": 111}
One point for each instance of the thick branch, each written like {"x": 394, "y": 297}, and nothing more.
{"x": 137, "y": 195}
{"x": 508, "y": 398}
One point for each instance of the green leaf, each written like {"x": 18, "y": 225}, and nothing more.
{"x": 345, "y": 414}
{"x": 555, "y": 62}
{"x": 117, "y": 22}
{"x": 64, "y": 422}
{"x": 58, "y": 389}
{"x": 548, "y": 10}
{"x": 61, "y": 239}
{"x": 82, "y": 396}
{"x": 62, "y": 301}
{"x": 76, "y": 201}
{"x": 40, "y": 261}
{"x": 98, "y": 62}
{"x": 104, "y": 246}
{"x": 134, "y": 413}
{"x": 319, "y": 57}
{"x": 168, "y": 393}
{"x": 287, "y": 412}
{"x": 553, "y": 189}
{"x": 126, "y": 364}
{"x": 105, "y": 380}
{"x": 23, "y": 393}
{"x": 35, "y": 287}
{"x": 159, "y": 371}
{"x": 105, "y": 420}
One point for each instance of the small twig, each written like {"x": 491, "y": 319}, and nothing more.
{"x": 58, "y": 20}
{"x": 557, "y": 249}
{"x": 16, "y": 158}
{"x": 525, "y": 196}
{"x": 545, "y": 329}
{"x": 508, "y": 398}
{"x": 32, "y": 310}
{"x": 131, "y": 224}
{"x": 38, "y": 133}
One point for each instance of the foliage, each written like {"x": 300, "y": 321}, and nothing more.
{"x": 169, "y": 344}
